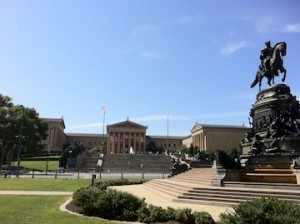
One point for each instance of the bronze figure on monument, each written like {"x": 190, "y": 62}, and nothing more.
{"x": 271, "y": 63}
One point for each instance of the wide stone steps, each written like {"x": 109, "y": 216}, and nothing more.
{"x": 202, "y": 180}
{"x": 136, "y": 163}
{"x": 235, "y": 196}
{"x": 201, "y": 176}
{"x": 183, "y": 190}
{"x": 242, "y": 184}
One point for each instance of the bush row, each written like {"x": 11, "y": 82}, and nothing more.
{"x": 111, "y": 204}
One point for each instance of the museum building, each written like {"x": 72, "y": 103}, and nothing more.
{"x": 130, "y": 137}
{"x": 210, "y": 137}
{"x": 122, "y": 137}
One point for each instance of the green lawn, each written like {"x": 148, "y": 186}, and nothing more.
{"x": 39, "y": 209}
{"x": 29, "y": 209}
{"x": 39, "y": 165}
{"x": 43, "y": 184}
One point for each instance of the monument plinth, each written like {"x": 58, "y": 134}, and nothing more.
{"x": 275, "y": 126}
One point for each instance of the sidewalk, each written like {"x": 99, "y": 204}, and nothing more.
{"x": 36, "y": 193}
{"x": 158, "y": 200}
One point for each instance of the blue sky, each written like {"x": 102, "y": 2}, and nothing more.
{"x": 142, "y": 60}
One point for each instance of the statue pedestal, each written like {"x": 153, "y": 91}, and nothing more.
{"x": 274, "y": 168}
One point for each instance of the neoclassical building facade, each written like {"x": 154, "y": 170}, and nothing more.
{"x": 122, "y": 137}
{"x": 209, "y": 137}
{"x": 126, "y": 137}
{"x": 130, "y": 137}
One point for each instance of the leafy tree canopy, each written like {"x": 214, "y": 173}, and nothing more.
{"x": 21, "y": 127}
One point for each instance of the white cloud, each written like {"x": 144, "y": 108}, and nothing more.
{"x": 292, "y": 28}
{"x": 265, "y": 25}
{"x": 150, "y": 55}
{"x": 230, "y": 48}
{"x": 145, "y": 28}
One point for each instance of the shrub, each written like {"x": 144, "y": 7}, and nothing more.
{"x": 203, "y": 218}
{"x": 103, "y": 185}
{"x": 184, "y": 216}
{"x": 119, "y": 205}
{"x": 263, "y": 210}
{"x": 152, "y": 214}
{"x": 109, "y": 204}
{"x": 86, "y": 199}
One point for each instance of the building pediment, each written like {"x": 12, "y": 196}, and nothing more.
{"x": 196, "y": 127}
{"x": 126, "y": 125}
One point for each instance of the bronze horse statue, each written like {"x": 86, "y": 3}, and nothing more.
{"x": 276, "y": 63}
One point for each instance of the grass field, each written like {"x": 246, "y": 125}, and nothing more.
{"x": 43, "y": 184}
{"x": 29, "y": 209}
{"x": 39, "y": 209}
{"x": 39, "y": 165}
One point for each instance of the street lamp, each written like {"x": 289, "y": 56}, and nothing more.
{"x": 48, "y": 151}
{"x": 104, "y": 109}
{"x": 20, "y": 137}
{"x": 69, "y": 160}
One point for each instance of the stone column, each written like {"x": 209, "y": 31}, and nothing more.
{"x": 139, "y": 140}
{"x": 118, "y": 137}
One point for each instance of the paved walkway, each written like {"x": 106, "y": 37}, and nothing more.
{"x": 158, "y": 200}
{"x": 36, "y": 193}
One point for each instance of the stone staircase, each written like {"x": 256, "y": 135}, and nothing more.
{"x": 136, "y": 163}
{"x": 194, "y": 186}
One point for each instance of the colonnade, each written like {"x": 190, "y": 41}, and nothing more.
{"x": 126, "y": 142}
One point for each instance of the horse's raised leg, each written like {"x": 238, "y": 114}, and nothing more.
{"x": 284, "y": 74}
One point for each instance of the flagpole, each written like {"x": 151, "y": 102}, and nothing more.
{"x": 167, "y": 130}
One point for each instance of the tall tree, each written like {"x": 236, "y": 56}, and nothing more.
{"x": 21, "y": 130}
{"x": 5, "y": 104}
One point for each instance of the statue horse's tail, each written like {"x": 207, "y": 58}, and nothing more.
{"x": 255, "y": 82}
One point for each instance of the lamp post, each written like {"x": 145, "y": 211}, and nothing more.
{"x": 104, "y": 111}
{"x": 103, "y": 130}
{"x": 168, "y": 131}
{"x": 19, "y": 141}
{"x": 69, "y": 160}
{"x": 48, "y": 151}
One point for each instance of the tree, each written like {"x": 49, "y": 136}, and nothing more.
{"x": 183, "y": 149}
{"x": 71, "y": 150}
{"x": 234, "y": 153}
{"x": 151, "y": 147}
{"x": 191, "y": 150}
{"x": 5, "y": 104}
{"x": 21, "y": 130}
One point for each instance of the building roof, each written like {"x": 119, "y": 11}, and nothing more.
{"x": 56, "y": 120}
{"x": 126, "y": 124}
{"x": 166, "y": 137}
{"x": 217, "y": 126}
{"x": 85, "y": 135}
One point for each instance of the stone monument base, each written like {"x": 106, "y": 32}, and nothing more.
{"x": 274, "y": 168}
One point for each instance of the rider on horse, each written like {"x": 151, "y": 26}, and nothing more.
{"x": 265, "y": 58}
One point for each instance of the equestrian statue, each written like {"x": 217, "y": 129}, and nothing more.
{"x": 271, "y": 62}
